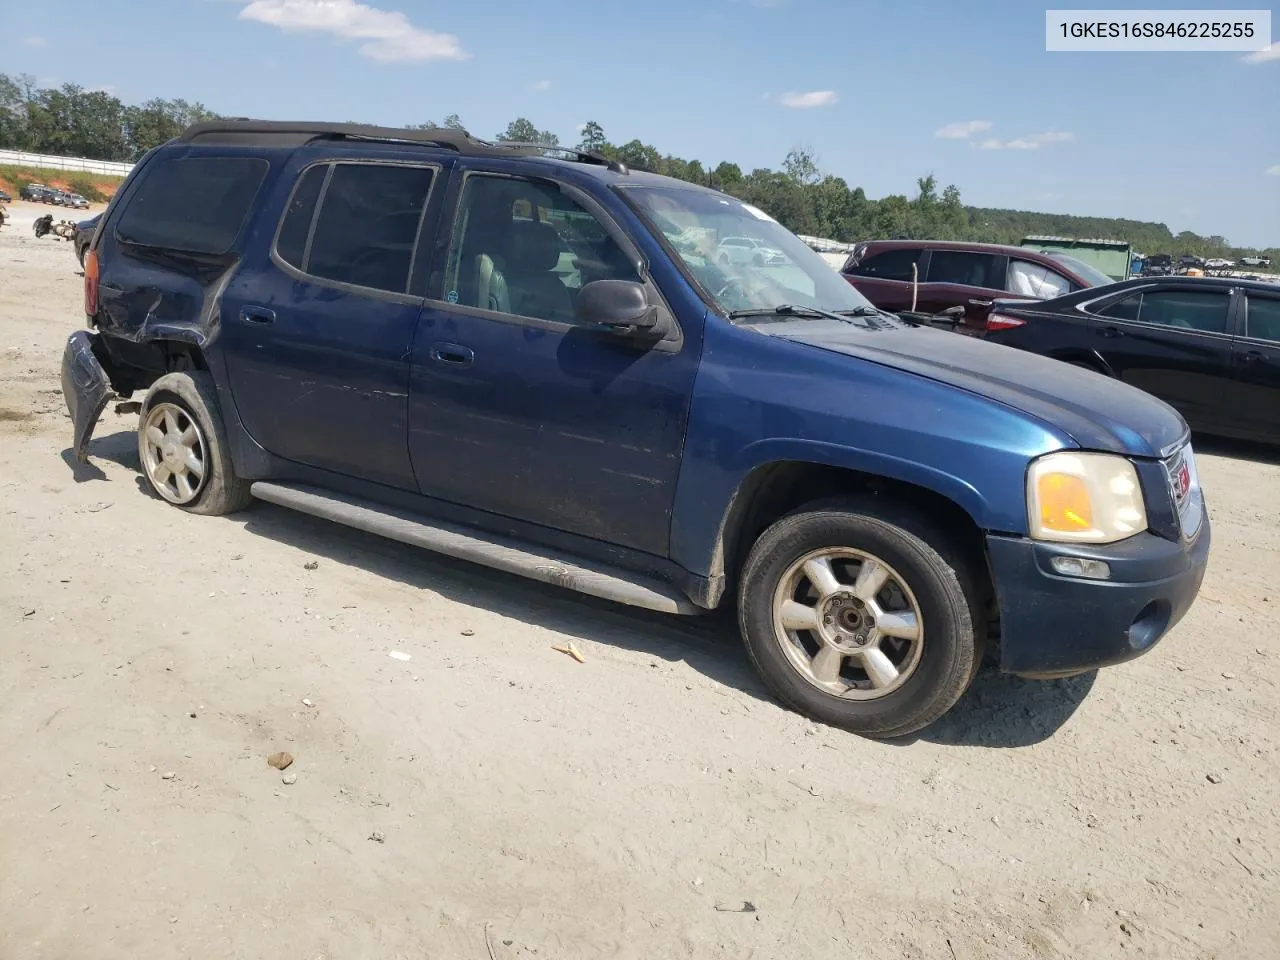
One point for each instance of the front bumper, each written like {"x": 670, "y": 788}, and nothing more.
{"x": 1053, "y": 625}
{"x": 85, "y": 387}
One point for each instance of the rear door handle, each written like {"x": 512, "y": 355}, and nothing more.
{"x": 454, "y": 354}
{"x": 980, "y": 303}
{"x": 257, "y": 315}
{"x": 1253, "y": 356}
{"x": 1110, "y": 332}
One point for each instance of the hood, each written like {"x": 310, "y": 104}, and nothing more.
{"x": 1097, "y": 412}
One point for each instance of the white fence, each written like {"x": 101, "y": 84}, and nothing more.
{"x": 19, "y": 159}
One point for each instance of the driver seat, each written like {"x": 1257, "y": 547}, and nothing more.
{"x": 519, "y": 279}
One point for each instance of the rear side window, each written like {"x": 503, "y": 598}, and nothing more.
{"x": 966, "y": 269}
{"x": 1126, "y": 309}
{"x": 889, "y": 265}
{"x": 192, "y": 205}
{"x": 1186, "y": 309}
{"x": 1262, "y": 319}
{"x": 367, "y": 226}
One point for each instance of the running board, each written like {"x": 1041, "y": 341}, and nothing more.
{"x": 477, "y": 547}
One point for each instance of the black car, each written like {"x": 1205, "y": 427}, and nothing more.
{"x": 5, "y": 198}
{"x": 1209, "y": 347}
{"x": 84, "y": 236}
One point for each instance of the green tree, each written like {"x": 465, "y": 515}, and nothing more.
{"x": 522, "y": 130}
{"x": 802, "y": 166}
{"x": 593, "y": 138}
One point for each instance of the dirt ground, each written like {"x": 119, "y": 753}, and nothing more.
{"x": 490, "y": 797}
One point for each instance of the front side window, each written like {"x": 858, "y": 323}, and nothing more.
{"x": 784, "y": 270}
{"x": 1262, "y": 318}
{"x": 1202, "y": 310}
{"x": 527, "y": 249}
{"x": 964, "y": 268}
{"x": 192, "y": 205}
{"x": 1027, "y": 279}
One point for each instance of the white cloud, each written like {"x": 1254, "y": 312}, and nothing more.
{"x": 962, "y": 130}
{"x": 541, "y": 85}
{"x": 35, "y": 41}
{"x": 1032, "y": 142}
{"x": 806, "y": 101}
{"x": 1274, "y": 171}
{"x": 1261, "y": 56}
{"x": 387, "y": 36}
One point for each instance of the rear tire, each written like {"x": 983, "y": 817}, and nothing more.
{"x": 183, "y": 447}
{"x": 861, "y": 615}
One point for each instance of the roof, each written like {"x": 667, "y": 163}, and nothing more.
{"x": 241, "y": 131}
{"x": 1077, "y": 241}
{"x": 952, "y": 245}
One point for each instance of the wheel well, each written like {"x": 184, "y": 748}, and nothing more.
{"x": 135, "y": 366}
{"x": 773, "y": 490}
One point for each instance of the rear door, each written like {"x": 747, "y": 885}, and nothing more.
{"x": 885, "y": 278}
{"x": 1253, "y": 405}
{"x": 963, "y": 278}
{"x": 319, "y": 333}
{"x": 1174, "y": 342}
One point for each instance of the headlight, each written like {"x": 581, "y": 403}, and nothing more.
{"x": 1084, "y": 498}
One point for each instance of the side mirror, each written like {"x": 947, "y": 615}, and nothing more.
{"x": 622, "y": 305}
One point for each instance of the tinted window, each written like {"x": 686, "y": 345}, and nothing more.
{"x": 1263, "y": 318}
{"x": 967, "y": 269}
{"x": 525, "y": 248}
{"x": 368, "y": 225}
{"x": 194, "y": 205}
{"x": 1185, "y": 309}
{"x": 291, "y": 245}
{"x": 1126, "y": 309}
{"x": 890, "y": 265}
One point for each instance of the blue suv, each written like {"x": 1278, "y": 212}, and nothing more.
{"x": 543, "y": 364}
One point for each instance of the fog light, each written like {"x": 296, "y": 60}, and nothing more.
{"x": 1079, "y": 567}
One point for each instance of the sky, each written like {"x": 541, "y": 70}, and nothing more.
{"x": 882, "y": 92}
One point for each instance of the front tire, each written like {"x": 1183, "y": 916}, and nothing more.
{"x": 183, "y": 446}
{"x": 862, "y": 616}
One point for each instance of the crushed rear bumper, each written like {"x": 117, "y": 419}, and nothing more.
{"x": 86, "y": 388}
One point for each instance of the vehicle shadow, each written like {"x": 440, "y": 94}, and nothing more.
{"x": 1238, "y": 449}
{"x": 121, "y": 448}
{"x": 1000, "y": 710}
{"x": 997, "y": 711}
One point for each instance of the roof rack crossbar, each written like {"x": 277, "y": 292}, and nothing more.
{"x": 584, "y": 156}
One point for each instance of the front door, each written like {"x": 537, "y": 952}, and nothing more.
{"x": 1254, "y": 398}
{"x": 517, "y": 409}
{"x": 1173, "y": 342}
{"x": 318, "y": 340}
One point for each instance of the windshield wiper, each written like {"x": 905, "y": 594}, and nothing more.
{"x": 794, "y": 310}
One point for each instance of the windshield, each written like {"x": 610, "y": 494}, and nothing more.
{"x": 1092, "y": 275}
{"x": 740, "y": 256}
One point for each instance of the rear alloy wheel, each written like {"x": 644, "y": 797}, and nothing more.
{"x": 861, "y": 615}
{"x": 183, "y": 446}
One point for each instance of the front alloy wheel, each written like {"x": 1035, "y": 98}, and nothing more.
{"x": 848, "y": 622}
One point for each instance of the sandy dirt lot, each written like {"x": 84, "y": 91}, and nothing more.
{"x": 490, "y": 797}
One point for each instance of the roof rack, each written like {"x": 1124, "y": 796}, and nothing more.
{"x": 582, "y": 156}
{"x": 284, "y": 133}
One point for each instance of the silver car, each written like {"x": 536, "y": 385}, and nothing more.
{"x": 749, "y": 250}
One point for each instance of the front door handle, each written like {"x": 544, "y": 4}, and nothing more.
{"x": 257, "y": 315}
{"x": 1253, "y": 356}
{"x": 453, "y": 354}
{"x": 1110, "y": 332}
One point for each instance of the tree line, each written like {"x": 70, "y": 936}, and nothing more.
{"x": 72, "y": 121}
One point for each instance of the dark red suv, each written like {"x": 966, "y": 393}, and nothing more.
{"x": 970, "y": 275}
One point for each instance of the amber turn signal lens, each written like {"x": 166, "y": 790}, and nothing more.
{"x": 1064, "y": 501}
{"x": 91, "y": 274}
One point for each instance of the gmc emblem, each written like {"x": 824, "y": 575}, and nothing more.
{"x": 1182, "y": 482}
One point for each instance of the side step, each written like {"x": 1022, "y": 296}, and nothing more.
{"x": 476, "y": 547}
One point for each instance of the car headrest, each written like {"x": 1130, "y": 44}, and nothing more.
{"x": 532, "y": 246}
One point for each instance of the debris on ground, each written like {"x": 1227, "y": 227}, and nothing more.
{"x": 397, "y": 655}
{"x": 289, "y": 779}
{"x": 378, "y": 837}
{"x": 1214, "y": 777}
{"x": 738, "y": 906}
{"x": 468, "y": 632}
{"x": 280, "y": 760}
{"x": 311, "y": 565}
{"x": 571, "y": 650}
{"x": 168, "y": 775}
{"x": 307, "y": 703}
